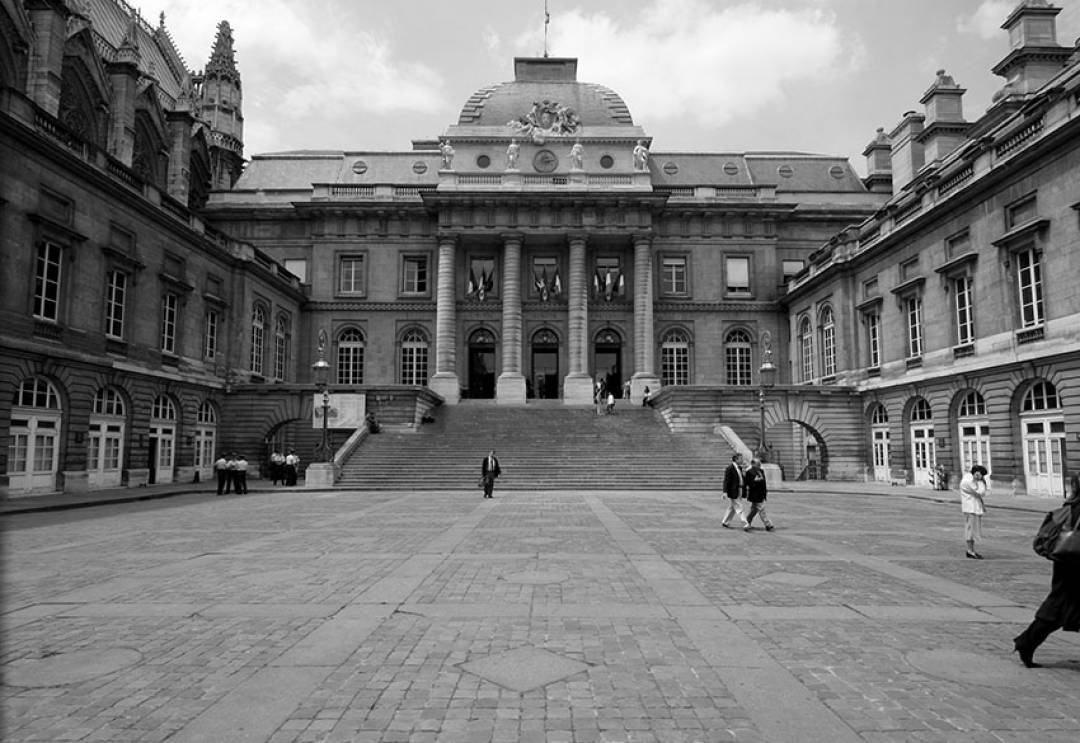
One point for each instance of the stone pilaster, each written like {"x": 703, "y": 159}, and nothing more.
{"x": 510, "y": 387}
{"x": 644, "y": 340}
{"x": 49, "y": 21}
{"x": 577, "y": 386}
{"x": 445, "y": 382}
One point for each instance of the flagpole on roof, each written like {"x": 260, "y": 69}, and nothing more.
{"x": 547, "y": 19}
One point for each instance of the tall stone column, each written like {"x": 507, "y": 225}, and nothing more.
{"x": 510, "y": 387}
{"x": 577, "y": 386}
{"x": 445, "y": 382}
{"x": 644, "y": 335}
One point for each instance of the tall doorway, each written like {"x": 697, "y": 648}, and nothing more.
{"x": 607, "y": 360}
{"x": 482, "y": 365}
{"x": 544, "y": 379}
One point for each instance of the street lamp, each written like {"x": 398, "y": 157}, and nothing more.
{"x": 766, "y": 377}
{"x": 321, "y": 371}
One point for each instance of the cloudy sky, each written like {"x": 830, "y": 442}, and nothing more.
{"x": 698, "y": 75}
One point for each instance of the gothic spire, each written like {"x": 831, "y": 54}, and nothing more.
{"x": 222, "y": 59}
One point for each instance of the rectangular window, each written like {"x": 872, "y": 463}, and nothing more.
{"x": 909, "y": 269}
{"x": 1029, "y": 278}
{"x": 481, "y": 280}
{"x": 546, "y": 281}
{"x": 870, "y": 289}
{"x": 414, "y": 275}
{"x": 791, "y": 268}
{"x": 673, "y": 275}
{"x": 913, "y": 306}
{"x": 806, "y": 343}
{"x": 965, "y": 323}
{"x": 414, "y": 363}
{"x": 281, "y": 351}
{"x": 674, "y": 365}
{"x": 210, "y": 334}
{"x": 47, "y": 282}
{"x": 169, "y": 305}
{"x": 115, "y": 301}
{"x": 351, "y": 274}
{"x": 1020, "y": 212}
{"x": 738, "y": 275}
{"x": 737, "y": 363}
{"x": 608, "y": 280}
{"x": 873, "y": 339}
{"x": 297, "y": 267}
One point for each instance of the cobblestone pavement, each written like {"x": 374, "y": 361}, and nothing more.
{"x": 298, "y": 617}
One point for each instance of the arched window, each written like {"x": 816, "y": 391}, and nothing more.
{"x": 921, "y": 411}
{"x": 1041, "y": 396}
{"x": 828, "y": 342}
{"x": 350, "y": 357}
{"x": 414, "y": 358}
{"x": 258, "y": 338}
{"x": 205, "y": 438}
{"x": 108, "y": 401}
{"x": 281, "y": 346}
{"x": 675, "y": 359}
{"x": 880, "y": 416}
{"x": 164, "y": 409}
{"x": 806, "y": 349}
{"x": 105, "y": 439}
{"x": 737, "y": 363}
{"x": 972, "y": 405}
{"x": 37, "y": 393}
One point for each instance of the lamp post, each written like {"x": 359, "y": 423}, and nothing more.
{"x": 321, "y": 371}
{"x": 766, "y": 376}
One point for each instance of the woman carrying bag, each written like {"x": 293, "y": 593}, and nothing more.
{"x": 1061, "y": 608}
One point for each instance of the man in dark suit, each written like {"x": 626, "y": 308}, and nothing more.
{"x": 734, "y": 489}
{"x": 489, "y": 470}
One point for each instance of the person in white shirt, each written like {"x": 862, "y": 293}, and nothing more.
{"x": 973, "y": 489}
{"x": 292, "y": 466}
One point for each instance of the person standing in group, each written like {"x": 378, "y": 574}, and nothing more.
{"x": 1061, "y": 607}
{"x": 734, "y": 489}
{"x": 241, "y": 474}
{"x": 292, "y": 465}
{"x": 221, "y": 467}
{"x": 972, "y": 492}
{"x": 756, "y": 492}
{"x": 489, "y": 470}
{"x": 277, "y": 467}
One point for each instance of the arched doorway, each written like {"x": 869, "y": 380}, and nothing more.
{"x": 879, "y": 434}
{"x": 1043, "y": 425}
{"x": 105, "y": 441}
{"x": 205, "y": 440}
{"x": 34, "y": 446}
{"x": 607, "y": 360}
{"x": 544, "y": 379}
{"x": 162, "y": 440}
{"x": 923, "y": 449}
{"x": 482, "y": 364}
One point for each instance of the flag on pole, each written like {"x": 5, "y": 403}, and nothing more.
{"x": 472, "y": 286}
{"x": 556, "y": 284}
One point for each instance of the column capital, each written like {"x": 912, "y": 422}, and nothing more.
{"x": 512, "y": 237}
{"x": 447, "y": 237}
{"x": 642, "y": 237}
{"x": 577, "y": 237}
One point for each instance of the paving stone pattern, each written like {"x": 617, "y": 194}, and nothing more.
{"x": 536, "y": 617}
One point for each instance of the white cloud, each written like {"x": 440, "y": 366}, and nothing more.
{"x": 300, "y": 62}
{"x": 690, "y": 58}
{"x": 987, "y": 19}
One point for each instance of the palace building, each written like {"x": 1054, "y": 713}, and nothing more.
{"x": 164, "y": 298}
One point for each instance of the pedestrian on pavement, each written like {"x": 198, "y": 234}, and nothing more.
{"x": 277, "y": 467}
{"x": 610, "y": 402}
{"x": 626, "y": 390}
{"x": 645, "y": 397}
{"x": 489, "y": 470}
{"x": 756, "y": 492}
{"x": 221, "y": 468}
{"x": 1061, "y": 607}
{"x": 973, "y": 490}
{"x": 292, "y": 464}
{"x": 241, "y": 474}
{"x": 734, "y": 489}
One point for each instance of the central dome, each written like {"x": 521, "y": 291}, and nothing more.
{"x": 545, "y": 86}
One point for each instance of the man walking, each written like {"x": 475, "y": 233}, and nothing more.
{"x": 734, "y": 489}
{"x": 489, "y": 470}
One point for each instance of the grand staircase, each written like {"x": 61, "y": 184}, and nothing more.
{"x": 544, "y": 446}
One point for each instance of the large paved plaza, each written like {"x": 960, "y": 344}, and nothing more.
{"x": 536, "y": 616}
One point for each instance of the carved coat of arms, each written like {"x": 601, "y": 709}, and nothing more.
{"x": 547, "y": 118}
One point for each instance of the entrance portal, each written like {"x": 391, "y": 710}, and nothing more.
{"x": 482, "y": 365}
{"x": 607, "y": 361}
{"x": 544, "y": 382}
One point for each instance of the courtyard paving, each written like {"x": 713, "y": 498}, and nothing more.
{"x": 543, "y": 617}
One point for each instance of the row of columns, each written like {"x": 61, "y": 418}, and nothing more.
{"x": 510, "y": 386}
